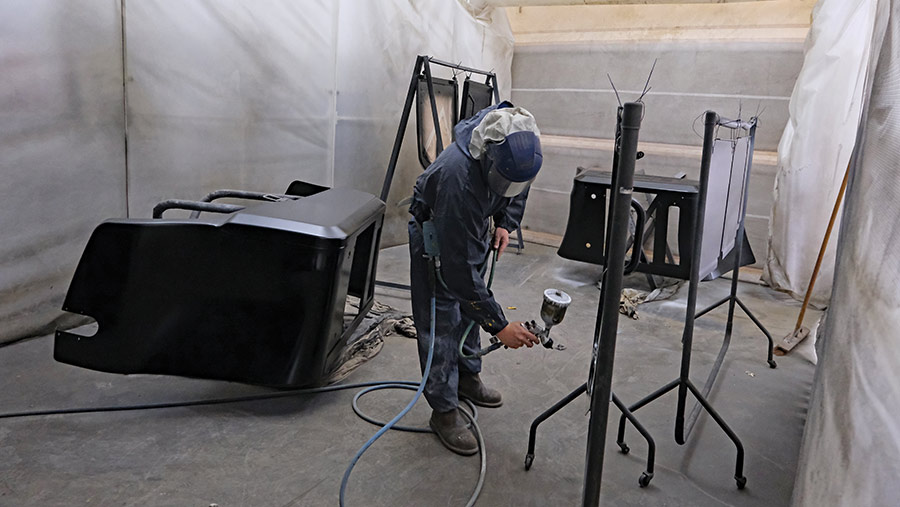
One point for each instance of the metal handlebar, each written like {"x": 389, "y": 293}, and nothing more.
{"x": 197, "y": 206}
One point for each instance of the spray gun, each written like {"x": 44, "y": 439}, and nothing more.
{"x": 553, "y": 309}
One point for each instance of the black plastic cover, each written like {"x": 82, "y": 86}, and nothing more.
{"x": 475, "y": 97}
{"x": 447, "y": 103}
{"x": 256, "y": 296}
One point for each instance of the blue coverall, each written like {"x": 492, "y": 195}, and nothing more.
{"x": 454, "y": 193}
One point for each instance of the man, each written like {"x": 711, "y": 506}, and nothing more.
{"x": 483, "y": 175}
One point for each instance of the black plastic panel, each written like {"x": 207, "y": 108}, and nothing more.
{"x": 257, "y": 296}
{"x": 475, "y": 97}
{"x": 445, "y": 98}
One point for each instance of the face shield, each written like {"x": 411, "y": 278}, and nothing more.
{"x": 510, "y": 166}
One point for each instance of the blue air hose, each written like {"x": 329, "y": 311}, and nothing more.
{"x": 462, "y": 340}
{"x": 392, "y": 423}
{"x": 384, "y": 429}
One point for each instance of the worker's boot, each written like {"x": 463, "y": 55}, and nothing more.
{"x": 471, "y": 387}
{"x": 453, "y": 431}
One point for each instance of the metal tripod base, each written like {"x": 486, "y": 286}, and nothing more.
{"x": 749, "y": 314}
{"x": 645, "y": 477}
{"x": 684, "y": 386}
{"x": 720, "y": 358}
{"x": 684, "y": 427}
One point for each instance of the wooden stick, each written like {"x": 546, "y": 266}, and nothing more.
{"x": 815, "y": 273}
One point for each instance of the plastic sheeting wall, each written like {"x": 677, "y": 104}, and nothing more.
{"x": 62, "y": 148}
{"x": 851, "y": 443}
{"x": 816, "y": 145}
{"x": 225, "y": 94}
{"x": 241, "y": 94}
{"x": 377, "y": 45}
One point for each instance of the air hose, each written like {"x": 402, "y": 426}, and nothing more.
{"x": 392, "y": 423}
{"x": 462, "y": 341}
{"x": 435, "y": 267}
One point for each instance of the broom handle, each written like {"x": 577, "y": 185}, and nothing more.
{"x": 815, "y": 273}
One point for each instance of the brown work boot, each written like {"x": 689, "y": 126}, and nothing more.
{"x": 453, "y": 431}
{"x": 471, "y": 387}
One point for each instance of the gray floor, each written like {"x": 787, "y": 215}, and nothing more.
{"x": 293, "y": 451}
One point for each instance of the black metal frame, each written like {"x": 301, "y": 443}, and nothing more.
{"x": 684, "y": 426}
{"x": 600, "y": 382}
{"x": 579, "y": 242}
{"x": 605, "y": 329}
{"x": 423, "y": 68}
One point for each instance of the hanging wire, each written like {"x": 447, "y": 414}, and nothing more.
{"x": 647, "y": 84}
{"x": 619, "y": 100}
{"x": 694, "y": 125}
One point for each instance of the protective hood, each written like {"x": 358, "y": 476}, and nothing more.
{"x": 497, "y": 125}
{"x": 507, "y": 143}
{"x": 464, "y": 129}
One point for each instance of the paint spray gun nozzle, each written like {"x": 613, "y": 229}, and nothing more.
{"x": 553, "y": 310}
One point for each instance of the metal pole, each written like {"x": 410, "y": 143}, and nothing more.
{"x": 687, "y": 339}
{"x": 493, "y": 78}
{"x": 404, "y": 120}
{"x": 739, "y": 235}
{"x": 459, "y": 67}
{"x": 434, "y": 114}
{"x": 609, "y": 304}
{"x": 606, "y": 242}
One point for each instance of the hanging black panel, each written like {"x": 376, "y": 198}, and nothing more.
{"x": 445, "y": 98}
{"x": 475, "y": 97}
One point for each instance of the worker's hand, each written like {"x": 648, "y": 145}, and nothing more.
{"x": 501, "y": 240}
{"x": 514, "y": 335}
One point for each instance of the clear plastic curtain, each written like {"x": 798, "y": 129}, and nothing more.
{"x": 851, "y": 443}
{"x": 225, "y": 94}
{"x": 62, "y": 149}
{"x": 376, "y": 51}
{"x": 816, "y": 145}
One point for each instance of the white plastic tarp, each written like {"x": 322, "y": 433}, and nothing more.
{"x": 816, "y": 145}
{"x": 226, "y": 94}
{"x": 62, "y": 149}
{"x": 724, "y": 201}
{"x": 850, "y": 454}
{"x": 377, "y": 46}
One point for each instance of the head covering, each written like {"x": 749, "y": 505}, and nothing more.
{"x": 507, "y": 143}
{"x": 498, "y": 124}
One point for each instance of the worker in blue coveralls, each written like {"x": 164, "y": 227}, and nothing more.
{"x": 482, "y": 176}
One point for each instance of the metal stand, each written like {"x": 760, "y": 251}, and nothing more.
{"x": 684, "y": 427}
{"x": 423, "y": 67}
{"x": 600, "y": 383}
{"x": 645, "y": 477}
{"x": 600, "y": 377}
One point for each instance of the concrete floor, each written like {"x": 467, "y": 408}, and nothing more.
{"x": 294, "y": 451}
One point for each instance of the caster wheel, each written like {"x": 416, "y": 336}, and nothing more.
{"x": 624, "y": 448}
{"x": 772, "y": 364}
{"x": 644, "y": 479}
{"x": 741, "y": 482}
{"x": 529, "y": 459}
